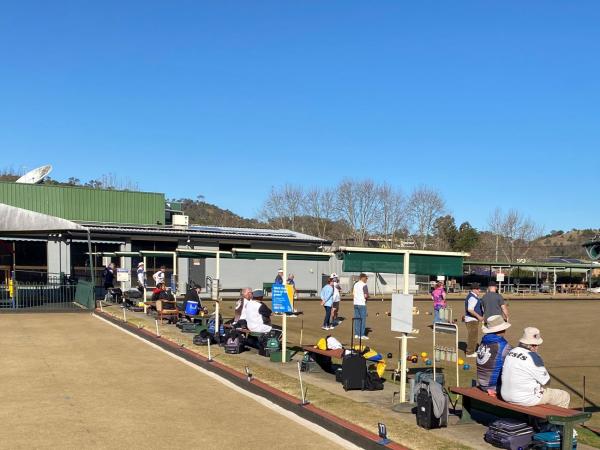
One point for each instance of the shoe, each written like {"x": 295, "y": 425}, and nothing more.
{"x": 356, "y": 336}
{"x": 471, "y": 355}
{"x": 365, "y": 337}
{"x": 325, "y": 328}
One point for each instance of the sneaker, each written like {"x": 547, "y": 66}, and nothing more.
{"x": 471, "y": 355}
{"x": 365, "y": 337}
{"x": 324, "y": 328}
{"x": 356, "y": 336}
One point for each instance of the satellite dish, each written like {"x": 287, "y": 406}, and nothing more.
{"x": 36, "y": 175}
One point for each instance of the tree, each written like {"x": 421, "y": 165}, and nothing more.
{"x": 318, "y": 204}
{"x": 283, "y": 206}
{"x": 466, "y": 238}
{"x": 445, "y": 232}
{"x": 357, "y": 203}
{"x": 514, "y": 233}
{"x": 425, "y": 206}
{"x": 392, "y": 213}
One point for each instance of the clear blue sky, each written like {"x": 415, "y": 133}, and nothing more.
{"x": 496, "y": 103}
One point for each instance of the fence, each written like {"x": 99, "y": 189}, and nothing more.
{"x": 54, "y": 295}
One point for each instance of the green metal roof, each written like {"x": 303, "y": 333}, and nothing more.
{"x": 291, "y": 256}
{"x": 531, "y": 264}
{"x": 86, "y": 204}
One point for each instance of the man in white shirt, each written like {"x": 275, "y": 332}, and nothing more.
{"x": 473, "y": 315}
{"x": 360, "y": 294}
{"x": 524, "y": 376}
{"x": 141, "y": 276}
{"x": 159, "y": 277}
{"x": 256, "y": 312}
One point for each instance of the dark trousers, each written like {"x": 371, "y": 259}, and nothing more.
{"x": 327, "y": 318}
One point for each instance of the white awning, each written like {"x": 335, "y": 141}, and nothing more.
{"x": 18, "y": 220}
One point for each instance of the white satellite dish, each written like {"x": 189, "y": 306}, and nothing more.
{"x": 36, "y": 175}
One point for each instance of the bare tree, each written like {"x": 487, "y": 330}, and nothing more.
{"x": 283, "y": 206}
{"x": 425, "y": 205}
{"x": 392, "y": 213}
{"x": 514, "y": 233}
{"x": 319, "y": 204}
{"x": 357, "y": 203}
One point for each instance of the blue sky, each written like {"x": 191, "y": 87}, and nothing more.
{"x": 494, "y": 103}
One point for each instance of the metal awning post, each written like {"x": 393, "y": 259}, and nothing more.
{"x": 406, "y": 273}
{"x": 284, "y": 318}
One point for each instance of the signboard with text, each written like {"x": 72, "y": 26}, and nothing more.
{"x": 282, "y": 298}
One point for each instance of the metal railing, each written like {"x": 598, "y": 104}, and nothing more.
{"x": 54, "y": 295}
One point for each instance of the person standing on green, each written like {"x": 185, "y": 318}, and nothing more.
{"x": 493, "y": 303}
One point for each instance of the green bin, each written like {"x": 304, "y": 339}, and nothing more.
{"x": 276, "y": 356}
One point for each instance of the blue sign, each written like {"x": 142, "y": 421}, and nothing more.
{"x": 280, "y": 299}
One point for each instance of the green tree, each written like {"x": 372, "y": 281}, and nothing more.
{"x": 466, "y": 238}
{"x": 445, "y": 232}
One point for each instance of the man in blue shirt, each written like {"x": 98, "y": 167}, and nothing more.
{"x": 279, "y": 277}
{"x": 491, "y": 353}
{"x": 327, "y": 302}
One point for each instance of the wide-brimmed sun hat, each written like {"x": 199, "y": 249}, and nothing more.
{"x": 495, "y": 324}
{"x": 531, "y": 336}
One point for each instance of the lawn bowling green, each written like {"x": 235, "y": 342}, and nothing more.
{"x": 74, "y": 381}
{"x": 571, "y": 347}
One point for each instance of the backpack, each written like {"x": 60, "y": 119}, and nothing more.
{"x": 203, "y": 338}
{"x": 373, "y": 382}
{"x": 233, "y": 345}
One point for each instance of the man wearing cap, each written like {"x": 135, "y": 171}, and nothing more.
{"x": 524, "y": 377}
{"x": 473, "y": 315}
{"x": 493, "y": 303}
{"x": 491, "y": 353}
{"x": 141, "y": 276}
{"x": 361, "y": 294}
{"x": 335, "y": 308}
{"x": 279, "y": 277}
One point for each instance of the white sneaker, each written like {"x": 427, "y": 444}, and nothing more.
{"x": 471, "y": 355}
{"x": 365, "y": 337}
{"x": 356, "y": 336}
{"x": 324, "y": 328}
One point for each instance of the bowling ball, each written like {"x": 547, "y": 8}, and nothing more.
{"x": 423, "y": 354}
{"x": 428, "y": 362}
{"x": 389, "y": 355}
{"x": 461, "y": 361}
{"x": 466, "y": 367}
{"x": 414, "y": 359}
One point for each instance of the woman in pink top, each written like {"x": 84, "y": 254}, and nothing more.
{"x": 439, "y": 300}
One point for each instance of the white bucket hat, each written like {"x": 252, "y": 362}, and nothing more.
{"x": 333, "y": 275}
{"x": 494, "y": 324}
{"x": 531, "y": 336}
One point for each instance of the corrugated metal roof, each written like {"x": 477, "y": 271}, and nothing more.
{"x": 207, "y": 231}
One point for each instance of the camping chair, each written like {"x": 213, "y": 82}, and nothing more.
{"x": 167, "y": 309}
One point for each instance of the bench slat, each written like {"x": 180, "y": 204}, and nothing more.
{"x": 339, "y": 353}
{"x": 540, "y": 411}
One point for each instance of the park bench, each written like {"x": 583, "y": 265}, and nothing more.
{"x": 474, "y": 399}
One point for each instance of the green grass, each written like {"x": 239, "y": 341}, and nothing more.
{"x": 588, "y": 437}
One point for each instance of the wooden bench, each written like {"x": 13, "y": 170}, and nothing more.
{"x": 474, "y": 398}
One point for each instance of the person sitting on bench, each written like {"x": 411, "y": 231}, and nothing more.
{"x": 491, "y": 353}
{"x": 524, "y": 376}
{"x": 240, "y": 307}
{"x": 156, "y": 292}
{"x": 258, "y": 315}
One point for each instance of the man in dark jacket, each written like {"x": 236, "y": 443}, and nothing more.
{"x": 491, "y": 353}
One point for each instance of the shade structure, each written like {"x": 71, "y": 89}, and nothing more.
{"x": 19, "y": 220}
{"x": 392, "y": 261}
{"x": 197, "y": 253}
{"x": 291, "y": 255}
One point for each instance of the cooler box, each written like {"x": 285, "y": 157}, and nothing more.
{"x": 191, "y": 308}
{"x": 549, "y": 440}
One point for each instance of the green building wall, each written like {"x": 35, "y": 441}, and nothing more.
{"x": 86, "y": 204}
